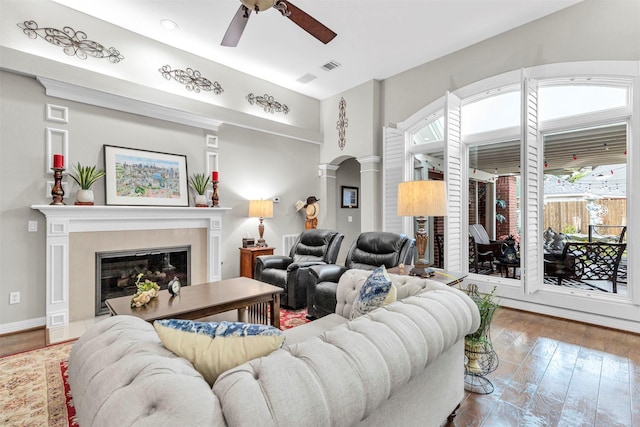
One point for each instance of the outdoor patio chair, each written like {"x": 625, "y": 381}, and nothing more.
{"x": 477, "y": 257}
{"x": 483, "y": 242}
{"x": 588, "y": 262}
{"x": 440, "y": 245}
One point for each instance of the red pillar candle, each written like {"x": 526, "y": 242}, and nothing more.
{"x": 214, "y": 176}
{"x": 58, "y": 161}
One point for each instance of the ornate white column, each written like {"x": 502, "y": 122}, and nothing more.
{"x": 370, "y": 194}
{"x": 328, "y": 196}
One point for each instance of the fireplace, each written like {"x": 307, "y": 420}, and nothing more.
{"x": 117, "y": 271}
{"x": 75, "y": 233}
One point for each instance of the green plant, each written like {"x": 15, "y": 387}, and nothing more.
{"x": 199, "y": 182}
{"x": 147, "y": 290}
{"x": 486, "y": 306}
{"x": 569, "y": 229}
{"x": 86, "y": 176}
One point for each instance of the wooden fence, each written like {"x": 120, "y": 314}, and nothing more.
{"x": 561, "y": 215}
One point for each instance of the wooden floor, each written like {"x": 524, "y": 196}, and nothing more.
{"x": 552, "y": 372}
{"x": 556, "y": 372}
{"x": 23, "y": 341}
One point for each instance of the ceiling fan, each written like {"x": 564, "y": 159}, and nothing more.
{"x": 299, "y": 17}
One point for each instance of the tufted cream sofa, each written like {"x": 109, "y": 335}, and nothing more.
{"x": 402, "y": 364}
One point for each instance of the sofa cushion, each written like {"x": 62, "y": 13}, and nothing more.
{"x": 373, "y": 293}
{"x": 312, "y": 329}
{"x": 215, "y": 347}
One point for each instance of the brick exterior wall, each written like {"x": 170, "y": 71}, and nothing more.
{"x": 506, "y": 190}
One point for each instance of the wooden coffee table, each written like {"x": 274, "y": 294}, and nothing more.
{"x": 197, "y": 301}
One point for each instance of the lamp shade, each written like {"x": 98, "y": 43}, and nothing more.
{"x": 261, "y": 208}
{"x": 422, "y": 198}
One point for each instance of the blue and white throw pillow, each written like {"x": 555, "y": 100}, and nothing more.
{"x": 216, "y": 347}
{"x": 373, "y": 293}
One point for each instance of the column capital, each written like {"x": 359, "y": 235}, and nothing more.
{"x": 369, "y": 159}
{"x": 327, "y": 170}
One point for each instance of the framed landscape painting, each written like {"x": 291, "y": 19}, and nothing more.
{"x": 145, "y": 178}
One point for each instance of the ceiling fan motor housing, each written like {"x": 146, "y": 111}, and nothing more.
{"x": 258, "y": 5}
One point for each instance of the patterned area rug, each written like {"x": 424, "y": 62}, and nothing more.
{"x": 34, "y": 389}
{"x": 292, "y": 318}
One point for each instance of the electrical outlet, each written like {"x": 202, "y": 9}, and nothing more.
{"x": 14, "y": 298}
{"x": 32, "y": 226}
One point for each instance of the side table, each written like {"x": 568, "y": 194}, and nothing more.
{"x": 449, "y": 278}
{"x": 248, "y": 259}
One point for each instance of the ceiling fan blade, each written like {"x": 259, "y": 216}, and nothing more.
{"x": 309, "y": 23}
{"x": 236, "y": 27}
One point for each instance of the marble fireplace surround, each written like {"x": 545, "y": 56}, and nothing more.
{"x": 62, "y": 221}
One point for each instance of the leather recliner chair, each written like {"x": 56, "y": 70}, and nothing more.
{"x": 369, "y": 251}
{"x": 313, "y": 247}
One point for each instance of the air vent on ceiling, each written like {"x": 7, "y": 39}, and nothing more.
{"x": 330, "y": 65}
{"x": 306, "y": 78}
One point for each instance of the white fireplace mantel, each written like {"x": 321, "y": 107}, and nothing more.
{"x": 63, "y": 220}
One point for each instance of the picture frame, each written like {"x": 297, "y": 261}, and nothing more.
{"x": 349, "y": 197}
{"x": 136, "y": 177}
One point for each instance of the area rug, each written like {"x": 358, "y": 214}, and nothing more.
{"x": 292, "y": 318}
{"x": 33, "y": 385}
{"x": 34, "y": 390}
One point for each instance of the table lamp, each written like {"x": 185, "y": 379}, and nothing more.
{"x": 261, "y": 209}
{"x": 421, "y": 199}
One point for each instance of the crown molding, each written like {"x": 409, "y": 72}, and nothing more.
{"x": 97, "y": 98}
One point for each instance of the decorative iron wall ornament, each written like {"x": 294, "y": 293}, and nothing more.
{"x": 269, "y": 104}
{"x": 192, "y": 79}
{"x": 71, "y": 41}
{"x": 342, "y": 123}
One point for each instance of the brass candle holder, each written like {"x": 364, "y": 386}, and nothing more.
{"x": 57, "y": 192}
{"x": 214, "y": 197}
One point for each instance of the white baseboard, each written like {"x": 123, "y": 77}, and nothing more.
{"x": 578, "y": 316}
{"x": 23, "y": 325}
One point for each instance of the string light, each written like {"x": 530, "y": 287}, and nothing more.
{"x": 606, "y": 146}
{"x": 575, "y": 157}
{"x": 546, "y": 164}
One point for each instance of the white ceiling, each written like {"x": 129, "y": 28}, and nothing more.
{"x": 376, "y": 38}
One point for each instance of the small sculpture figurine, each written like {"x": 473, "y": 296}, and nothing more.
{"x": 558, "y": 242}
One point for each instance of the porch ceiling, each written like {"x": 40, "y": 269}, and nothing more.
{"x": 588, "y": 145}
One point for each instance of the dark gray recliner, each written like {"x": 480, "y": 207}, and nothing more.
{"x": 313, "y": 247}
{"x": 369, "y": 251}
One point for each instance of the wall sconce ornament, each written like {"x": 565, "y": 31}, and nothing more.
{"x": 192, "y": 79}
{"x": 342, "y": 124}
{"x": 73, "y": 42}
{"x": 269, "y": 104}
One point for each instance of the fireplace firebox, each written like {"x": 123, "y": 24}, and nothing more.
{"x": 117, "y": 271}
